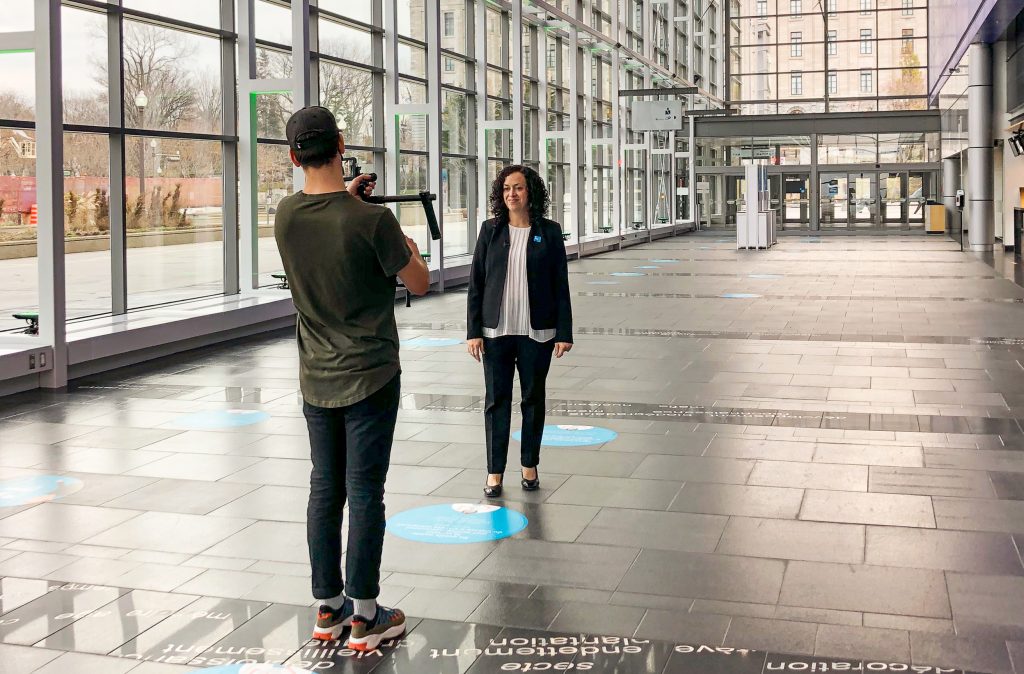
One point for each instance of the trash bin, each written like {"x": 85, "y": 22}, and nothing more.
{"x": 1018, "y": 230}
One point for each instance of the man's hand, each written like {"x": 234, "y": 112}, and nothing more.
{"x": 413, "y": 248}
{"x": 475, "y": 347}
{"x": 362, "y": 186}
{"x": 562, "y": 348}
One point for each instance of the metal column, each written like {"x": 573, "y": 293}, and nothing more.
{"x": 980, "y": 171}
{"x": 50, "y": 189}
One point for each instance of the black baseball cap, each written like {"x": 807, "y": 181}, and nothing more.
{"x": 312, "y": 127}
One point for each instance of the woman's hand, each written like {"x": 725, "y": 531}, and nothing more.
{"x": 562, "y": 348}
{"x": 475, "y": 348}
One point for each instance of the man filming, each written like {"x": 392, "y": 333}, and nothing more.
{"x": 341, "y": 256}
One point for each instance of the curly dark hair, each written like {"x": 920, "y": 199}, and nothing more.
{"x": 536, "y": 192}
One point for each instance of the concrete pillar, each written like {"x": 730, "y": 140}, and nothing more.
{"x": 950, "y": 184}
{"x": 980, "y": 172}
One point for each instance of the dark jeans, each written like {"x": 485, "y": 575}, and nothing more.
{"x": 351, "y": 450}
{"x": 502, "y": 357}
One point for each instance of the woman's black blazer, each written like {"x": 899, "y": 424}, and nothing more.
{"x": 547, "y": 276}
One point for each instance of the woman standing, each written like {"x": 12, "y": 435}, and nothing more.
{"x": 519, "y": 314}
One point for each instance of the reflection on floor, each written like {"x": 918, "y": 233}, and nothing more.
{"x": 814, "y": 450}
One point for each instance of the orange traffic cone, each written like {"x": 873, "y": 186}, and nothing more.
{"x": 33, "y": 215}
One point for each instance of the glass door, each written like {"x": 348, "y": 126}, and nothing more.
{"x": 775, "y": 196}
{"x": 918, "y": 193}
{"x": 834, "y": 199}
{"x": 735, "y": 198}
{"x": 892, "y": 197}
{"x": 863, "y": 199}
{"x": 796, "y": 201}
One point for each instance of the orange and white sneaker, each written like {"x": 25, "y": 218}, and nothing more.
{"x": 330, "y": 623}
{"x": 366, "y": 635}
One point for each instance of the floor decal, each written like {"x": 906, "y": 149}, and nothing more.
{"x": 566, "y": 435}
{"x": 215, "y": 419}
{"x": 253, "y": 668}
{"x": 32, "y": 489}
{"x": 457, "y": 523}
{"x": 628, "y": 273}
{"x": 739, "y": 296}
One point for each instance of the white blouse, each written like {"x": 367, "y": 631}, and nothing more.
{"x": 515, "y": 304}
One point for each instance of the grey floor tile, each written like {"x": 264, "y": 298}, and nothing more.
{"x": 810, "y": 476}
{"x": 695, "y": 469}
{"x": 23, "y": 659}
{"x": 872, "y": 589}
{"x": 34, "y": 564}
{"x": 516, "y": 612}
{"x": 979, "y": 515}
{"x": 597, "y": 619}
{"x": 598, "y": 567}
{"x": 228, "y": 584}
{"x": 85, "y": 663}
{"x": 772, "y": 635}
{"x": 740, "y": 500}
{"x": 182, "y": 466}
{"x": 931, "y": 482}
{"x": 190, "y": 497}
{"x": 271, "y": 541}
{"x": 170, "y": 532}
{"x": 987, "y": 605}
{"x": 976, "y": 654}
{"x": 868, "y": 643}
{"x": 63, "y": 523}
{"x": 555, "y": 522}
{"x": 972, "y": 552}
{"x": 270, "y": 502}
{"x": 909, "y": 623}
{"x": 720, "y": 577}
{"x": 441, "y": 604}
{"x": 682, "y": 627}
{"x": 120, "y": 437}
{"x": 615, "y": 492}
{"x": 868, "y": 508}
{"x": 1008, "y": 486}
{"x": 655, "y": 530}
{"x": 824, "y": 616}
{"x": 782, "y": 539}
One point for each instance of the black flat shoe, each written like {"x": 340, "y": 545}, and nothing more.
{"x": 492, "y": 492}
{"x": 531, "y": 485}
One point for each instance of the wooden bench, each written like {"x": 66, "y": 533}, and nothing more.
{"x": 32, "y": 317}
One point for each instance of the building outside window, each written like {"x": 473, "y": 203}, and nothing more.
{"x": 866, "y": 82}
{"x": 833, "y": 82}
{"x": 833, "y": 46}
{"x": 796, "y": 83}
{"x": 908, "y": 41}
{"x": 796, "y": 44}
{"x": 795, "y": 7}
{"x": 833, "y": 7}
{"x": 865, "y": 7}
{"x": 762, "y": 8}
{"x": 449, "y": 24}
{"x": 908, "y": 7}
{"x": 866, "y": 44}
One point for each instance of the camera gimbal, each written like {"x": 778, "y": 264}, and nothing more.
{"x": 424, "y": 198}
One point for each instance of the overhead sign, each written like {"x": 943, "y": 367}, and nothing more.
{"x": 657, "y": 115}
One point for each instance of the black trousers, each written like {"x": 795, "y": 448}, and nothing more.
{"x": 351, "y": 450}
{"x": 502, "y": 357}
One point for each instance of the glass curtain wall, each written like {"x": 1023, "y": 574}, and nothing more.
{"x": 152, "y": 172}
{"x": 800, "y": 56}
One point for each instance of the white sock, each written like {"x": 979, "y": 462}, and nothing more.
{"x": 335, "y": 602}
{"x": 366, "y": 608}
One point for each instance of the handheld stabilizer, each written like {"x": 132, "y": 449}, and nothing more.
{"x": 424, "y": 198}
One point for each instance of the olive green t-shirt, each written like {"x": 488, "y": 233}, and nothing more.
{"x": 341, "y": 256}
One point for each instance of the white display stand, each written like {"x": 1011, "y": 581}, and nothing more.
{"x": 755, "y": 226}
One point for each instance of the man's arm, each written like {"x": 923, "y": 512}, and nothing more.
{"x": 415, "y": 275}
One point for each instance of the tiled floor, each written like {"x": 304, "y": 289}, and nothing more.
{"x": 818, "y": 452}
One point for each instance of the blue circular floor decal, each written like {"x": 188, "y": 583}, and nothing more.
{"x": 766, "y": 276}
{"x": 667, "y": 260}
{"x": 566, "y": 435}
{"x": 431, "y": 341}
{"x": 602, "y": 283}
{"x": 456, "y": 523}
{"x": 32, "y": 489}
{"x": 214, "y": 419}
{"x": 739, "y": 296}
{"x": 253, "y": 668}
{"x": 647, "y": 266}
{"x": 628, "y": 273}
